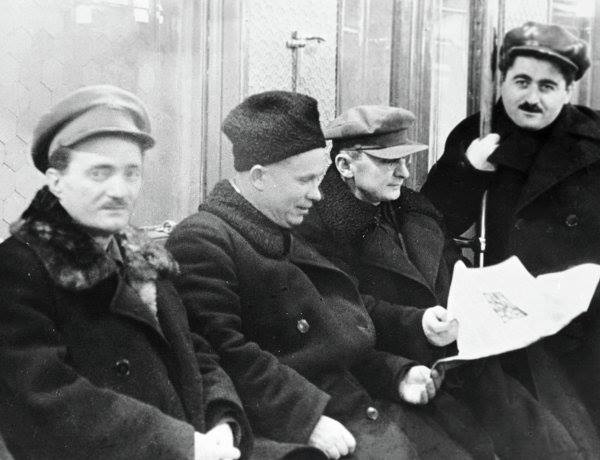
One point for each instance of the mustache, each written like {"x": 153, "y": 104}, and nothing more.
{"x": 533, "y": 108}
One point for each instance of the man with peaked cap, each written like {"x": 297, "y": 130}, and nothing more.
{"x": 291, "y": 328}
{"x": 393, "y": 241}
{"x": 541, "y": 168}
{"x": 96, "y": 356}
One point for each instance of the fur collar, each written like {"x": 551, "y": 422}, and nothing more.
{"x": 73, "y": 259}
{"x": 265, "y": 236}
{"x": 349, "y": 218}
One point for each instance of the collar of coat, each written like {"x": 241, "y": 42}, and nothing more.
{"x": 74, "y": 260}
{"x": 349, "y": 218}
{"x": 267, "y": 237}
{"x": 571, "y": 144}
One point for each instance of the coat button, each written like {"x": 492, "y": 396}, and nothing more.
{"x": 303, "y": 326}
{"x": 571, "y": 220}
{"x": 122, "y": 367}
{"x": 519, "y": 224}
{"x": 372, "y": 413}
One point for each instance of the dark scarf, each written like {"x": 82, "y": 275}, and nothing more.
{"x": 519, "y": 147}
{"x": 74, "y": 260}
{"x": 264, "y": 235}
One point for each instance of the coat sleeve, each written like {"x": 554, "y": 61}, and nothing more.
{"x": 400, "y": 330}
{"x": 381, "y": 372}
{"x": 453, "y": 185}
{"x": 281, "y": 404}
{"x": 48, "y": 410}
{"x": 221, "y": 401}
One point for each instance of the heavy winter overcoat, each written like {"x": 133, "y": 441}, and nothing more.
{"x": 298, "y": 341}
{"x": 400, "y": 252}
{"x": 542, "y": 207}
{"x": 87, "y": 369}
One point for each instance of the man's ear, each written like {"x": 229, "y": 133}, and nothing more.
{"x": 54, "y": 181}
{"x": 344, "y": 165}
{"x": 257, "y": 177}
{"x": 569, "y": 90}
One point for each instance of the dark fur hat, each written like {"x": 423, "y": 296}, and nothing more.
{"x": 272, "y": 126}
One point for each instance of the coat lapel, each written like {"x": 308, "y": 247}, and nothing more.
{"x": 573, "y": 145}
{"x": 127, "y": 303}
{"x": 422, "y": 232}
{"x": 379, "y": 250}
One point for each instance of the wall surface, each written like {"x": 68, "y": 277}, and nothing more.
{"x": 52, "y": 47}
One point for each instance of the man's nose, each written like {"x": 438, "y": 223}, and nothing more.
{"x": 533, "y": 95}
{"x": 314, "y": 194}
{"x": 401, "y": 170}
{"x": 117, "y": 186}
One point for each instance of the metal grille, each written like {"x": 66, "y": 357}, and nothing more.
{"x": 269, "y": 25}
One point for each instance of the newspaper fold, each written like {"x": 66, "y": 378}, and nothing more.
{"x": 503, "y": 307}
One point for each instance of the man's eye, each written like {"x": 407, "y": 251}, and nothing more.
{"x": 133, "y": 174}
{"x": 99, "y": 174}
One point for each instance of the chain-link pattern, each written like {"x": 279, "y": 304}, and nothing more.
{"x": 268, "y": 26}
{"x": 518, "y": 12}
{"x": 52, "y": 47}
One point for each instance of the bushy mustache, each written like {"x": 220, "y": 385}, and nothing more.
{"x": 533, "y": 108}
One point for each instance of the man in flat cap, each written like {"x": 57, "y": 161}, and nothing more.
{"x": 541, "y": 168}
{"x": 393, "y": 241}
{"x": 96, "y": 356}
{"x": 291, "y": 328}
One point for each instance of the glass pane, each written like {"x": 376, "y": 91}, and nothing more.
{"x": 364, "y": 53}
{"x": 53, "y": 49}
{"x": 449, "y": 73}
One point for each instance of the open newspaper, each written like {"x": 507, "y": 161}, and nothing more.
{"x": 503, "y": 307}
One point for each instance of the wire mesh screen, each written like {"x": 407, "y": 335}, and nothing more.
{"x": 270, "y": 63}
{"x": 53, "y": 47}
{"x": 517, "y": 12}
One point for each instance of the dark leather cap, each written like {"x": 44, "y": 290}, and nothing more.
{"x": 546, "y": 41}
{"x": 87, "y": 112}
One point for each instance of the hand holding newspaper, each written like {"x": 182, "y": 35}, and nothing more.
{"x": 503, "y": 307}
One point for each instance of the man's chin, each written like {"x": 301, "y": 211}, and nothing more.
{"x": 108, "y": 228}
{"x": 532, "y": 122}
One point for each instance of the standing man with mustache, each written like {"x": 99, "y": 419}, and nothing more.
{"x": 541, "y": 168}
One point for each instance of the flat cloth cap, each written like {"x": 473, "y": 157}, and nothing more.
{"x": 380, "y": 131}
{"x": 548, "y": 41}
{"x": 272, "y": 126}
{"x": 87, "y": 112}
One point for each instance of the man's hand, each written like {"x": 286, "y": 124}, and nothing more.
{"x": 480, "y": 150}
{"x": 206, "y": 447}
{"x": 332, "y": 438}
{"x": 420, "y": 385}
{"x": 438, "y": 330}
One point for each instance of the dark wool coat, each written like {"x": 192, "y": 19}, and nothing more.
{"x": 543, "y": 207}
{"x": 298, "y": 341}
{"x": 399, "y": 252}
{"x": 87, "y": 370}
